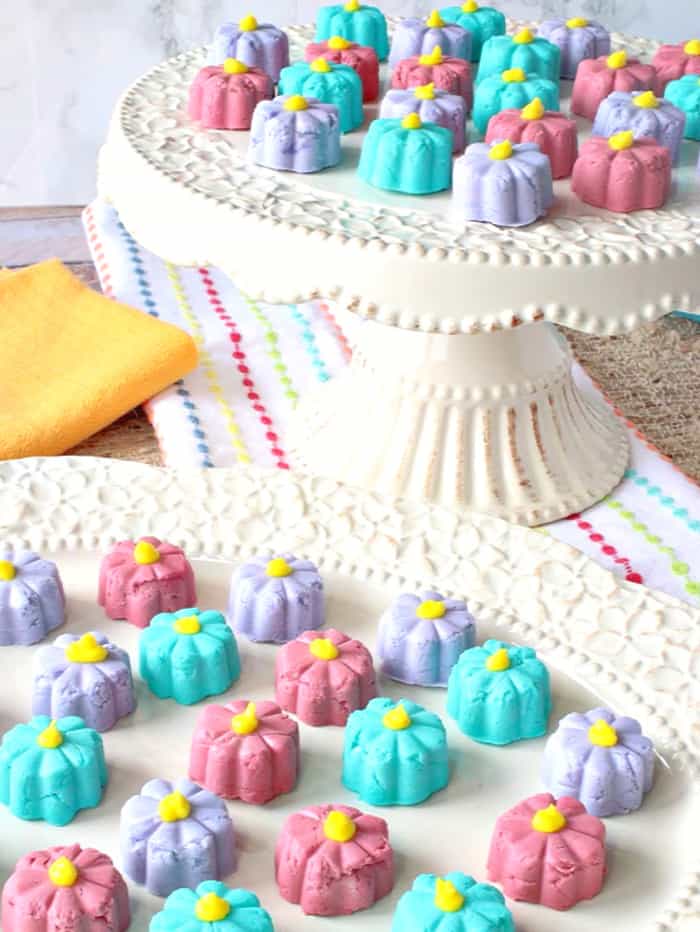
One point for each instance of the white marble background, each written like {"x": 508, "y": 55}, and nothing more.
{"x": 63, "y": 64}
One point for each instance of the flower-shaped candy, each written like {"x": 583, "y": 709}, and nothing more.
{"x": 32, "y": 602}
{"x": 86, "y": 676}
{"x": 453, "y": 903}
{"x": 258, "y": 45}
{"x": 483, "y": 22}
{"x": 212, "y": 907}
{"x": 188, "y": 655}
{"x": 395, "y": 754}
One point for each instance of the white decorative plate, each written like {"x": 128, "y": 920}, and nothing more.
{"x": 192, "y": 197}
{"x": 604, "y": 640}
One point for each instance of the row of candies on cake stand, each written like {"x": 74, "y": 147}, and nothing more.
{"x": 514, "y": 102}
{"x": 178, "y": 840}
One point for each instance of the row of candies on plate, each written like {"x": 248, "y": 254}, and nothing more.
{"x": 245, "y": 750}
{"x": 422, "y": 119}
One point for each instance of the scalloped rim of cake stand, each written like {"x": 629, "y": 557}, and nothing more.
{"x": 377, "y": 260}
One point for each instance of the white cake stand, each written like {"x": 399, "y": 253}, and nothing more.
{"x": 461, "y": 391}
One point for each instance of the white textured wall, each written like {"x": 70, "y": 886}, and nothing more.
{"x": 64, "y": 62}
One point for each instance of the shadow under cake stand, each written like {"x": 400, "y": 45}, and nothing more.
{"x": 460, "y": 390}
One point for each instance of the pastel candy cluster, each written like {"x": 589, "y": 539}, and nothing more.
{"x": 188, "y": 655}
{"x": 554, "y": 133}
{"x": 483, "y": 22}
{"x": 420, "y": 36}
{"x": 577, "y": 39}
{"x": 212, "y": 907}
{"x": 395, "y": 754}
{"x": 176, "y": 835}
{"x": 407, "y": 156}
{"x": 548, "y": 851}
{"x": 524, "y": 50}
{"x": 32, "y": 602}
{"x": 685, "y": 94}
{"x": 257, "y": 45}
{"x": 323, "y": 679}
{"x": 225, "y": 96}
{"x": 646, "y": 115}
{"x": 276, "y": 598}
{"x": 432, "y": 106}
{"x": 245, "y": 750}
{"x": 51, "y": 769}
{"x": 328, "y": 83}
{"x": 512, "y": 89}
{"x": 453, "y": 903}
{"x": 65, "y": 888}
{"x": 421, "y": 637}
{"x": 362, "y": 58}
{"x": 597, "y": 78}
{"x": 505, "y": 184}
{"x": 87, "y": 676}
{"x": 499, "y": 693}
{"x": 601, "y": 759}
{"x": 622, "y": 173}
{"x": 139, "y": 579}
{"x": 334, "y": 860}
{"x": 365, "y": 25}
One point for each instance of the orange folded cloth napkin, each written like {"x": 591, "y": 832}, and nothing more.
{"x": 73, "y": 361}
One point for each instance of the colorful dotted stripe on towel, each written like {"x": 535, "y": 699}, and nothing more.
{"x": 310, "y": 343}
{"x": 241, "y": 361}
{"x": 631, "y": 575}
{"x": 273, "y": 350}
{"x": 152, "y": 309}
{"x": 206, "y": 364}
{"x": 98, "y": 254}
{"x": 337, "y": 330}
{"x": 678, "y": 567}
{"x": 666, "y": 501}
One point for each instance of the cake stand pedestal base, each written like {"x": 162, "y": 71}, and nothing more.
{"x": 489, "y": 422}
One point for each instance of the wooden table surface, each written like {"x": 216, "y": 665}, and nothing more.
{"x": 652, "y": 375}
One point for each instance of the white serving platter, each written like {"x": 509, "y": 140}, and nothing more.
{"x": 605, "y": 641}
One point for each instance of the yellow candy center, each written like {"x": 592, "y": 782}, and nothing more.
{"x": 174, "y": 807}
{"x": 7, "y": 571}
{"x": 352, "y": 6}
{"x": 323, "y": 649}
{"x": 499, "y": 661}
{"x": 524, "y": 37}
{"x": 577, "y": 22}
{"x": 279, "y": 568}
{"x": 431, "y": 609}
{"x": 248, "y": 24}
{"x": 86, "y": 650}
{"x": 234, "y": 66}
{"x": 548, "y": 820}
{"x": 63, "y": 873}
{"x": 435, "y": 21}
{"x": 50, "y": 737}
{"x": 623, "y": 140}
{"x": 211, "y": 908}
{"x": 145, "y": 553}
{"x": 320, "y": 65}
{"x": 434, "y": 58}
{"x": 339, "y": 827}
{"x": 602, "y": 734}
{"x": 338, "y": 43}
{"x": 692, "y": 47}
{"x": 397, "y": 719}
{"x": 533, "y": 111}
{"x": 617, "y": 60}
{"x": 648, "y": 100}
{"x": 448, "y": 899}
{"x": 470, "y": 6}
{"x": 412, "y": 121}
{"x": 246, "y": 722}
{"x": 513, "y": 76}
{"x": 425, "y": 91}
{"x": 499, "y": 152}
{"x": 188, "y": 625}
